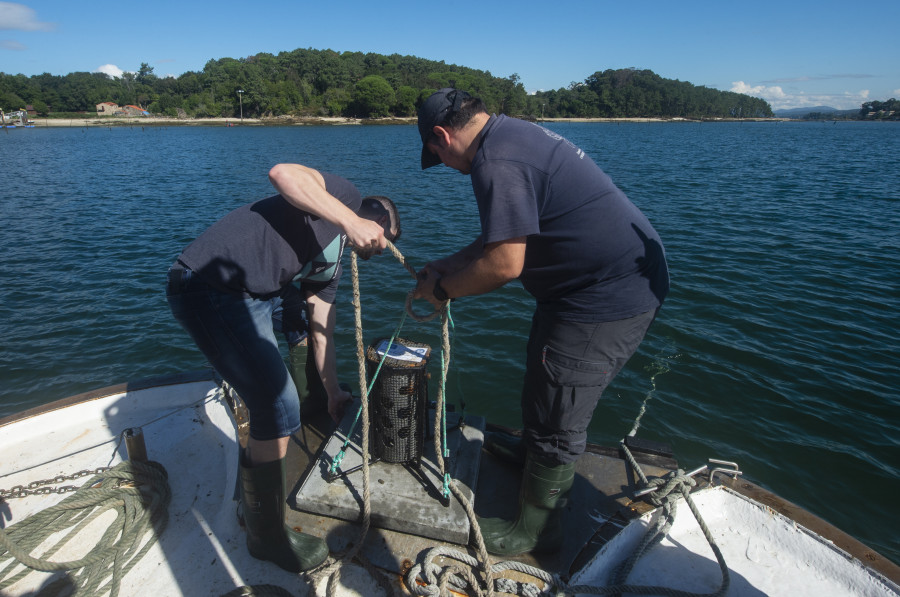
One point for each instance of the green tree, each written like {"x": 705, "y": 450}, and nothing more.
{"x": 373, "y": 97}
{"x": 405, "y": 103}
{"x": 40, "y": 107}
{"x": 335, "y": 101}
{"x": 145, "y": 74}
{"x": 10, "y": 102}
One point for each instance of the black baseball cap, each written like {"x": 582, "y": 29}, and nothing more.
{"x": 441, "y": 104}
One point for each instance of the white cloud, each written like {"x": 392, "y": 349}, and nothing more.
{"x": 18, "y": 17}
{"x": 779, "y": 99}
{"x": 110, "y": 69}
{"x": 770, "y": 94}
{"x": 896, "y": 92}
{"x": 10, "y": 44}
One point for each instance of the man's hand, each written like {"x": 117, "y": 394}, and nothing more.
{"x": 337, "y": 403}
{"x": 426, "y": 279}
{"x": 366, "y": 237}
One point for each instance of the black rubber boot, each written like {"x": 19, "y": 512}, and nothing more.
{"x": 263, "y": 499}
{"x": 505, "y": 446}
{"x": 537, "y": 527}
{"x": 313, "y": 398}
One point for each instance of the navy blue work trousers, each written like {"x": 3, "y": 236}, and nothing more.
{"x": 568, "y": 366}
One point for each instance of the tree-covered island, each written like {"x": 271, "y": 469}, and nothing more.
{"x": 310, "y": 83}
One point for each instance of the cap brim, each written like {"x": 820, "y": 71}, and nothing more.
{"x": 429, "y": 159}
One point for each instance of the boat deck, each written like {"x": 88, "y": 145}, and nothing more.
{"x": 599, "y": 505}
{"x": 192, "y": 430}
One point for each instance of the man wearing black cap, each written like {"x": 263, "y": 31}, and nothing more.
{"x": 553, "y": 219}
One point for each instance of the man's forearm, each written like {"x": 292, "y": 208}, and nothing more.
{"x": 496, "y": 265}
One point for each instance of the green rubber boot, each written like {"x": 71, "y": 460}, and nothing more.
{"x": 541, "y": 500}
{"x": 506, "y": 447}
{"x": 268, "y": 538}
{"x": 313, "y": 398}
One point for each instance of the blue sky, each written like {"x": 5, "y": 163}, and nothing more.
{"x": 792, "y": 54}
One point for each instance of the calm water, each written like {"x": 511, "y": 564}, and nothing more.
{"x": 777, "y": 348}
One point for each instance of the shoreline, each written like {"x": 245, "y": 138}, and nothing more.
{"x": 112, "y": 121}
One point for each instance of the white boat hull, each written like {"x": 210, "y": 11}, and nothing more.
{"x": 766, "y": 554}
{"x": 188, "y": 428}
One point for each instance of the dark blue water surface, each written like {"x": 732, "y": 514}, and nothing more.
{"x": 777, "y": 348}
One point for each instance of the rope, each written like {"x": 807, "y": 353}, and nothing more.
{"x": 339, "y": 457}
{"x": 669, "y": 489}
{"x": 428, "y": 578}
{"x": 139, "y": 494}
{"x": 449, "y": 483}
{"x": 332, "y": 570}
{"x": 409, "y": 296}
{"x": 437, "y": 580}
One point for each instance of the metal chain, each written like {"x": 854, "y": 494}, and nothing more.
{"x": 39, "y": 487}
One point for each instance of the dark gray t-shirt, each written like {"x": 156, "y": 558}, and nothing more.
{"x": 259, "y": 248}
{"x": 591, "y": 255}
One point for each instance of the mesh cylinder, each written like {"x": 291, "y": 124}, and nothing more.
{"x": 398, "y": 402}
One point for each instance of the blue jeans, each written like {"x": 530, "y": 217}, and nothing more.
{"x": 568, "y": 366}
{"x": 236, "y": 336}
{"x": 290, "y": 317}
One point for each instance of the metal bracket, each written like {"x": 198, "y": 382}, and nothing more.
{"x": 732, "y": 469}
{"x": 725, "y": 467}
{"x": 692, "y": 473}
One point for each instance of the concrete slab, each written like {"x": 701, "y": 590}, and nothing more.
{"x": 403, "y": 498}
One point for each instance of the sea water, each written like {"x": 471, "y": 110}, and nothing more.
{"x": 777, "y": 347}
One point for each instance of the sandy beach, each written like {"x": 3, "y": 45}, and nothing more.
{"x": 108, "y": 121}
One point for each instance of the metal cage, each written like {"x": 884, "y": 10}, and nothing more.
{"x": 398, "y": 402}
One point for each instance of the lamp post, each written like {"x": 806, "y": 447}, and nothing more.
{"x": 240, "y": 93}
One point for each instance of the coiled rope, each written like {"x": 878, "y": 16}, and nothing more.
{"x": 428, "y": 578}
{"x": 139, "y": 494}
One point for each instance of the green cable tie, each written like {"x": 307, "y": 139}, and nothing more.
{"x": 338, "y": 458}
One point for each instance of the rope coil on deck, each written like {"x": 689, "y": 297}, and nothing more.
{"x": 139, "y": 494}
{"x": 435, "y": 580}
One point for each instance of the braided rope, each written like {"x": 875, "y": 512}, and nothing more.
{"x": 332, "y": 570}
{"x": 428, "y": 578}
{"x": 440, "y": 415}
{"x": 139, "y": 494}
{"x": 669, "y": 488}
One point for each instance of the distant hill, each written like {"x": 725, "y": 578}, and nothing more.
{"x": 801, "y": 112}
